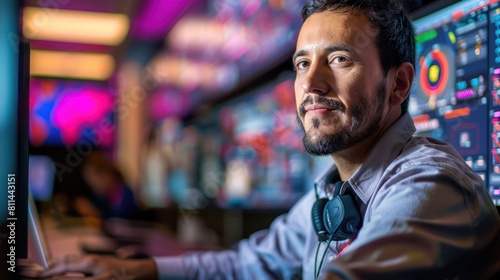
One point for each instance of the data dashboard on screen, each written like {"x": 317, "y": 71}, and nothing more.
{"x": 456, "y": 91}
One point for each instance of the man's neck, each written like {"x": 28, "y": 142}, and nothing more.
{"x": 349, "y": 160}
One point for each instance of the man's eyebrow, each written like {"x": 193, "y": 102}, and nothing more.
{"x": 299, "y": 53}
{"x": 328, "y": 49}
{"x": 344, "y": 48}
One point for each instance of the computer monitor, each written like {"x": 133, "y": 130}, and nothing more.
{"x": 71, "y": 113}
{"x": 39, "y": 251}
{"x": 14, "y": 99}
{"x": 22, "y": 188}
{"x": 456, "y": 91}
{"x": 41, "y": 177}
{"x": 250, "y": 153}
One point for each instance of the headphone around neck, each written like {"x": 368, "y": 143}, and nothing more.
{"x": 337, "y": 218}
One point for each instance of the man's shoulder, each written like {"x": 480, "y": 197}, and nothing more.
{"x": 429, "y": 153}
{"x": 431, "y": 150}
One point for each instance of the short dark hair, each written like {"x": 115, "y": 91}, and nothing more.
{"x": 396, "y": 38}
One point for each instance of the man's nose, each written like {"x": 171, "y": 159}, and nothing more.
{"x": 315, "y": 80}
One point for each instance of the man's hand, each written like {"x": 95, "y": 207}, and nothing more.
{"x": 101, "y": 267}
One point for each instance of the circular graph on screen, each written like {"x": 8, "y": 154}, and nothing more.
{"x": 436, "y": 77}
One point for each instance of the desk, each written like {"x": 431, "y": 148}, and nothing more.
{"x": 57, "y": 242}
{"x": 126, "y": 239}
{"x": 62, "y": 240}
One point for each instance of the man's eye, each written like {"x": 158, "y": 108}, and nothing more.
{"x": 340, "y": 59}
{"x": 302, "y": 64}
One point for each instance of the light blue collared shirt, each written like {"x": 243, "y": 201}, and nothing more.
{"x": 428, "y": 216}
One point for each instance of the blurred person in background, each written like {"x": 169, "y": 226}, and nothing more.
{"x": 110, "y": 196}
{"x": 414, "y": 209}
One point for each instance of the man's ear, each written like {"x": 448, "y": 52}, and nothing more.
{"x": 402, "y": 81}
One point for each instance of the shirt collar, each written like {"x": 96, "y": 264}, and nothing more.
{"x": 365, "y": 180}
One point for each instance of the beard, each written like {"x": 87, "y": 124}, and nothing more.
{"x": 343, "y": 137}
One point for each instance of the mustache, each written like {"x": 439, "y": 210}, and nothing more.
{"x": 318, "y": 99}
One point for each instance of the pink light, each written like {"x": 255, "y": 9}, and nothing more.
{"x": 427, "y": 125}
{"x": 496, "y": 114}
{"x": 464, "y": 94}
{"x": 496, "y": 71}
{"x": 75, "y": 110}
{"x": 250, "y": 7}
{"x": 496, "y": 192}
{"x": 166, "y": 103}
{"x": 156, "y": 17}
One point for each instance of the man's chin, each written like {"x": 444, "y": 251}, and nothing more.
{"x": 322, "y": 143}
{"x": 315, "y": 145}
{"x": 316, "y": 133}
{"x": 316, "y": 151}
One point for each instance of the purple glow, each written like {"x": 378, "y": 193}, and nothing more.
{"x": 71, "y": 113}
{"x": 75, "y": 110}
{"x": 250, "y": 7}
{"x": 465, "y": 94}
{"x": 156, "y": 17}
{"x": 167, "y": 103}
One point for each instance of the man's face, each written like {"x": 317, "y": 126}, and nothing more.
{"x": 340, "y": 89}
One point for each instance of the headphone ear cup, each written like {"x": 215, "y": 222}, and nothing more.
{"x": 341, "y": 217}
{"x": 317, "y": 219}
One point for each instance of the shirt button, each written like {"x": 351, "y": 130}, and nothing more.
{"x": 331, "y": 258}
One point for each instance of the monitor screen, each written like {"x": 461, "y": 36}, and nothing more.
{"x": 14, "y": 97}
{"x": 41, "y": 177}
{"x": 8, "y": 99}
{"x": 67, "y": 112}
{"x": 245, "y": 153}
{"x": 252, "y": 155}
{"x": 456, "y": 91}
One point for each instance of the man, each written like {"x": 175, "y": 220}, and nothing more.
{"x": 424, "y": 213}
